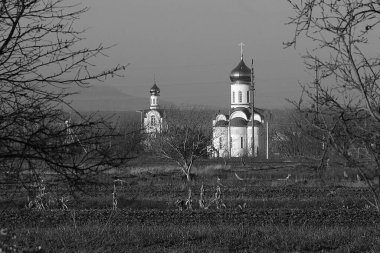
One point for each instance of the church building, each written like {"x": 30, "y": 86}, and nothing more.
{"x": 154, "y": 118}
{"x": 232, "y": 134}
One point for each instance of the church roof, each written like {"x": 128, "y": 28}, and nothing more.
{"x": 256, "y": 123}
{"x": 221, "y": 116}
{"x": 238, "y": 122}
{"x": 241, "y": 73}
{"x": 155, "y": 90}
{"x": 221, "y": 123}
{"x": 245, "y": 110}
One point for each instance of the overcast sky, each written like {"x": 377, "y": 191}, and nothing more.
{"x": 191, "y": 46}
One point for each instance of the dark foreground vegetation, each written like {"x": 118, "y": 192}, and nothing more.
{"x": 258, "y": 211}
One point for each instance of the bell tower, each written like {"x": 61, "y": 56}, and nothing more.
{"x": 154, "y": 96}
{"x": 240, "y": 83}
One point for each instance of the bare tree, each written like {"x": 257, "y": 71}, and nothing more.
{"x": 344, "y": 100}
{"x": 41, "y": 58}
{"x": 289, "y": 139}
{"x": 184, "y": 138}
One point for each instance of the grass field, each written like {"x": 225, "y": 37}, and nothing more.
{"x": 262, "y": 212}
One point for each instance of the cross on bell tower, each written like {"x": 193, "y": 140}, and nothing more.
{"x": 241, "y": 44}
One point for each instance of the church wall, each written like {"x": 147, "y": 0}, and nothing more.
{"x": 220, "y": 141}
{"x": 237, "y": 135}
{"x": 150, "y": 126}
{"x": 235, "y": 88}
{"x": 257, "y": 140}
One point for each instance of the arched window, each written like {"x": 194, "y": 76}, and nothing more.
{"x": 152, "y": 120}
{"x": 220, "y": 143}
{"x": 240, "y": 97}
{"x": 247, "y": 96}
{"x": 233, "y": 97}
{"x": 241, "y": 142}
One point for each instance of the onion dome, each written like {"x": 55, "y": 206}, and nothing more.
{"x": 221, "y": 123}
{"x": 241, "y": 73}
{"x": 155, "y": 90}
{"x": 238, "y": 122}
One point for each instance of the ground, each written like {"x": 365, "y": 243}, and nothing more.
{"x": 259, "y": 211}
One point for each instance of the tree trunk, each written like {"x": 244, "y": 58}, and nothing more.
{"x": 188, "y": 171}
{"x": 188, "y": 177}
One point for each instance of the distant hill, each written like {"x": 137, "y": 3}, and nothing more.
{"x": 107, "y": 98}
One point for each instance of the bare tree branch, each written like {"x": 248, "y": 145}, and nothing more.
{"x": 41, "y": 58}
{"x": 345, "y": 37}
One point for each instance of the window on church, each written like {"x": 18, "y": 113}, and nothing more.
{"x": 220, "y": 143}
{"x": 153, "y": 120}
{"x": 233, "y": 97}
{"x": 240, "y": 97}
{"x": 248, "y": 96}
{"x": 241, "y": 142}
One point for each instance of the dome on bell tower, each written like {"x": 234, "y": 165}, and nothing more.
{"x": 241, "y": 73}
{"x": 155, "y": 90}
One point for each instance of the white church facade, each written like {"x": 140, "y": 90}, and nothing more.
{"x": 233, "y": 134}
{"x": 154, "y": 118}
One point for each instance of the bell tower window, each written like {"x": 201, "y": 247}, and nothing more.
{"x": 248, "y": 96}
{"x": 240, "y": 97}
{"x": 241, "y": 142}
{"x": 153, "y": 120}
{"x": 233, "y": 97}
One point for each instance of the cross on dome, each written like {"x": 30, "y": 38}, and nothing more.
{"x": 241, "y": 44}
